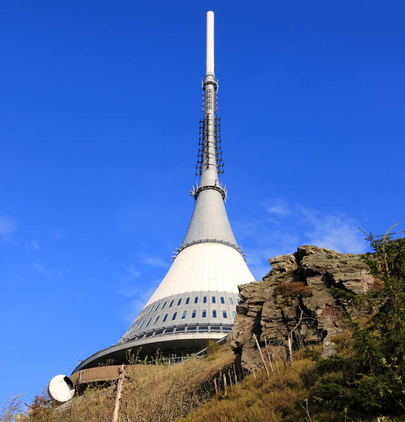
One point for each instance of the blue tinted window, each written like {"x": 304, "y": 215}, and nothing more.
{"x": 187, "y": 301}
{"x": 178, "y": 302}
{"x": 205, "y": 299}
{"x": 184, "y": 314}
{"x": 165, "y": 317}
{"x": 171, "y": 304}
{"x": 204, "y": 313}
{"x": 196, "y": 299}
{"x": 174, "y": 316}
{"x": 194, "y": 314}
{"x": 157, "y": 319}
{"x": 163, "y": 307}
{"x": 214, "y": 313}
{"x": 214, "y": 299}
{"x": 224, "y": 314}
{"x": 222, "y": 299}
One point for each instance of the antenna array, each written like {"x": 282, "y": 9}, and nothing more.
{"x": 204, "y": 143}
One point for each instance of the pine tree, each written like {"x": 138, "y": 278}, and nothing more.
{"x": 372, "y": 381}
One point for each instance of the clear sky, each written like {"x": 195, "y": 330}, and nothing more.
{"x": 99, "y": 110}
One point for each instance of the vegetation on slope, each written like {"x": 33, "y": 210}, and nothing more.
{"x": 371, "y": 379}
{"x": 279, "y": 397}
{"x": 151, "y": 393}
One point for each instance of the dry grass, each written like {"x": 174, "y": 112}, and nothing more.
{"x": 258, "y": 398}
{"x": 152, "y": 393}
{"x": 187, "y": 393}
{"x": 10, "y": 409}
{"x": 295, "y": 289}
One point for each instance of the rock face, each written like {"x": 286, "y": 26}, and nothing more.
{"x": 293, "y": 306}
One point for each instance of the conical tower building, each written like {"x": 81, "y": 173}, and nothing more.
{"x": 196, "y": 301}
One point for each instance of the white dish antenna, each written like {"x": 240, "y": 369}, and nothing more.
{"x": 61, "y": 388}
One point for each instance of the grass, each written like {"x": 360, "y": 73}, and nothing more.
{"x": 152, "y": 393}
{"x": 258, "y": 398}
{"x": 204, "y": 390}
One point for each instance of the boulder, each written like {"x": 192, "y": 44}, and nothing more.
{"x": 294, "y": 303}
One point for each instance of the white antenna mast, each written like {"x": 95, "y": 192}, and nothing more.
{"x": 210, "y": 44}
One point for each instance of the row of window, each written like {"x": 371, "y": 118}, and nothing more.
{"x": 187, "y": 301}
{"x": 185, "y": 329}
{"x": 184, "y": 315}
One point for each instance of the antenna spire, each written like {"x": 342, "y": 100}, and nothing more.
{"x": 210, "y": 44}
{"x": 209, "y": 154}
{"x": 209, "y": 221}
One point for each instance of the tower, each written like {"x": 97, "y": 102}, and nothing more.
{"x": 196, "y": 301}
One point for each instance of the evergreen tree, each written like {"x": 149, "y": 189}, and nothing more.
{"x": 372, "y": 381}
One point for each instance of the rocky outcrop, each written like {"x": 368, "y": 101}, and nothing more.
{"x": 294, "y": 306}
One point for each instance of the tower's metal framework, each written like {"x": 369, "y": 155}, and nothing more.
{"x": 196, "y": 301}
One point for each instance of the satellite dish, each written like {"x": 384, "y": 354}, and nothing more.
{"x": 61, "y": 388}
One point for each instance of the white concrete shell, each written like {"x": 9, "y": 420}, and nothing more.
{"x": 204, "y": 267}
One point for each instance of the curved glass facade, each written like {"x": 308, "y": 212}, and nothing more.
{"x": 184, "y": 313}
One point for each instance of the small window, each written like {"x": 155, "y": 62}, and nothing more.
{"x": 164, "y": 305}
{"x": 178, "y": 302}
{"x": 204, "y": 313}
{"x": 187, "y": 301}
{"x": 157, "y": 307}
{"x": 214, "y": 299}
{"x": 196, "y": 299}
{"x": 171, "y": 303}
{"x": 224, "y": 314}
{"x": 233, "y": 314}
{"x": 194, "y": 314}
{"x": 205, "y": 299}
{"x": 157, "y": 319}
{"x": 150, "y": 319}
{"x": 143, "y": 322}
{"x": 184, "y": 314}
{"x": 230, "y": 301}
{"x": 214, "y": 313}
{"x": 174, "y": 316}
{"x": 165, "y": 318}
{"x": 222, "y": 299}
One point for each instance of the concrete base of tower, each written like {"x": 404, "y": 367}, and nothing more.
{"x": 174, "y": 346}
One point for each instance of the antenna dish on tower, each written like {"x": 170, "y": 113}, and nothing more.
{"x": 61, "y": 388}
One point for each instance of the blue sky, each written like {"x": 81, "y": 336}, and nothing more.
{"x": 100, "y": 104}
